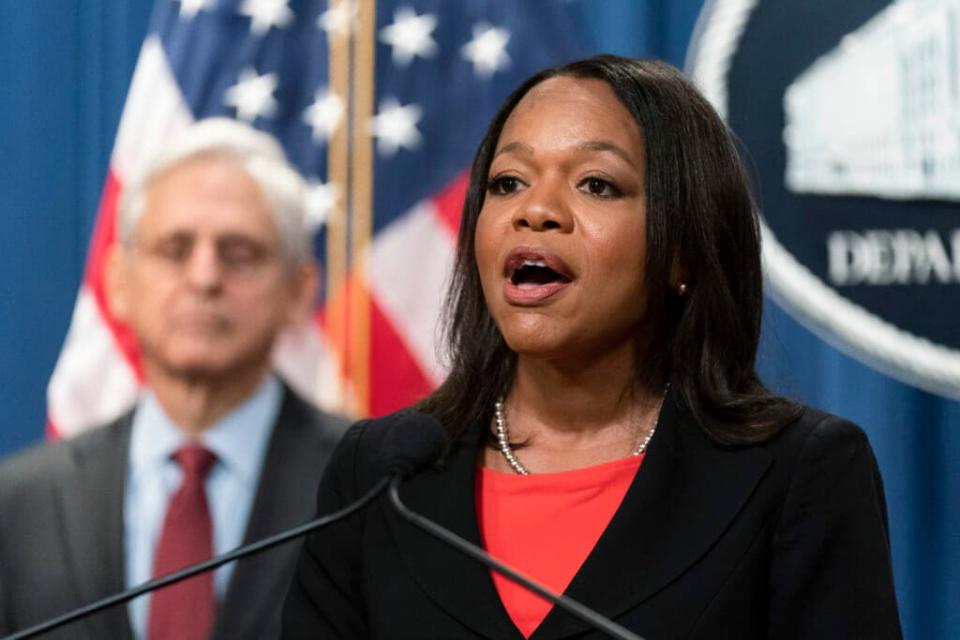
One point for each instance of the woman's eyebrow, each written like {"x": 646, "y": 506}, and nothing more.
{"x": 589, "y": 145}
{"x": 521, "y": 147}
{"x": 604, "y": 145}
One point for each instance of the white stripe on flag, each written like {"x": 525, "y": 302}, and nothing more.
{"x": 408, "y": 271}
{"x": 92, "y": 382}
{"x": 154, "y": 112}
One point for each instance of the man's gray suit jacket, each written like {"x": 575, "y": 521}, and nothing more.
{"x": 61, "y": 527}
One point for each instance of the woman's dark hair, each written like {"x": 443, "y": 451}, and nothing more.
{"x": 701, "y": 221}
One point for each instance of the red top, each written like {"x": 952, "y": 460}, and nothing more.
{"x": 545, "y": 525}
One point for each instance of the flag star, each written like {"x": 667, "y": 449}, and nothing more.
{"x": 322, "y": 197}
{"x": 325, "y": 114}
{"x": 252, "y": 96}
{"x": 410, "y": 35}
{"x": 190, "y": 8}
{"x": 395, "y": 126}
{"x": 264, "y": 14}
{"x": 339, "y": 19}
{"x": 488, "y": 50}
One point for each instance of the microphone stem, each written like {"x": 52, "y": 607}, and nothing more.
{"x": 193, "y": 570}
{"x": 572, "y": 607}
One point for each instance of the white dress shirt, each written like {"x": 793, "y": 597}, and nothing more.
{"x": 239, "y": 441}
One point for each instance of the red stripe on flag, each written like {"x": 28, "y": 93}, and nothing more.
{"x": 449, "y": 203}
{"x": 396, "y": 380}
{"x": 51, "y": 432}
{"x": 104, "y": 236}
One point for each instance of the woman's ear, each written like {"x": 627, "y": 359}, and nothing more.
{"x": 679, "y": 277}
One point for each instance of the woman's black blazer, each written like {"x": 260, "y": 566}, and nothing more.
{"x": 787, "y": 539}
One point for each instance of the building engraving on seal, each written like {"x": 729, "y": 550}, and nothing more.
{"x": 879, "y": 114}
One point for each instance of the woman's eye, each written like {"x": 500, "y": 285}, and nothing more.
{"x": 504, "y": 185}
{"x": 600, "y": 188}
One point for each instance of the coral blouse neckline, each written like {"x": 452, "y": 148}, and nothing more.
{"x": 545, "y": 526}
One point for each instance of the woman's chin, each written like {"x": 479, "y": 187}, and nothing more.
{"x": 558, "y": 353}
{"x": 535, "y": 342}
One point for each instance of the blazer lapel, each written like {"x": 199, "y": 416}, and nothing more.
{"x": 685, "y": 494}
{"x": 252, "y": 594}
{"x": 458, "y": 584}
{"x": 92, "y": 512}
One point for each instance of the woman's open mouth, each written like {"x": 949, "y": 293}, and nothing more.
{"x": 534, "y": 275}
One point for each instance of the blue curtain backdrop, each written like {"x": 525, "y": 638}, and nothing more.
{"x": 67, "y": 65}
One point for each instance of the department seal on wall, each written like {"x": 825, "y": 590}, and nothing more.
{"x": 850, "y": 113}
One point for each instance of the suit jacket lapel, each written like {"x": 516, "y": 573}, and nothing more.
{"x": 684, "y": 496}
{"x": 459, "y": 585}
{"x": 251, "y": 595}
{"x": 686, "y": 493}
{"x": 92, "y": 510}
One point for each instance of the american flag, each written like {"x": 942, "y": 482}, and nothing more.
{"x": 380, "y": 104}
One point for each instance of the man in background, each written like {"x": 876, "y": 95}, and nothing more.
{"x": 213, "y": 261}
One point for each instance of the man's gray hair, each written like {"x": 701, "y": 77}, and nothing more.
{"x": 256, "y": 152}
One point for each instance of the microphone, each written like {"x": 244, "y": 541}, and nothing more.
{"x": 569, "y": 605}
{"x": 413, "y": 442}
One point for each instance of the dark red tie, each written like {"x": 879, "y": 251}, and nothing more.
{"x": 185, "y": 611}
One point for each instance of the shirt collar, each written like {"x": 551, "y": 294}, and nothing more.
{"x": 239, "y": 439}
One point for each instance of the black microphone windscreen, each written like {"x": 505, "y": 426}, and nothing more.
{"x": 414, "y": 441}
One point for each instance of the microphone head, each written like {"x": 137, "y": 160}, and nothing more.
{"x": 414, "y": 441}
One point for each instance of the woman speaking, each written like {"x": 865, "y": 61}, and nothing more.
{"x": 608, "y": 434}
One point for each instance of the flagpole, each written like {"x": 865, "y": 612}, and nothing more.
{"x": 361, "y": 196}
{"x": 337, "y": 319}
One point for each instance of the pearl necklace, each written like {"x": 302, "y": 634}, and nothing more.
{"x": 503, "y": 441}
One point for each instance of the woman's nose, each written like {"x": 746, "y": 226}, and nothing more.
{"x": 543, "y": 208}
